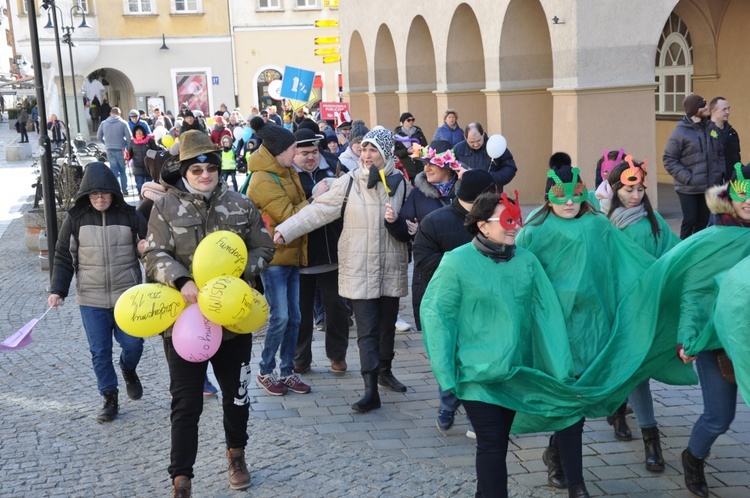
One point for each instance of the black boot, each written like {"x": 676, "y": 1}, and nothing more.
{"x": 622, "y": 431}
{"x": 110, "y": 409}
{"x": 386, "y": 378}
{"x": 695, "y": 480}
{"x": 132, "y": 384}
{"x": 654, "y": 458}
{"x": 551, "y": 458}
{"x": 578, "y": 491}
{"x": 371, "y": 399}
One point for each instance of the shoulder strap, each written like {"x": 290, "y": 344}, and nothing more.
{"x": 246, "y": 183}
{"x": 346, "y": 196}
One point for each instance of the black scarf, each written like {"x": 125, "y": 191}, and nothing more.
{"x": 496, "y": 252}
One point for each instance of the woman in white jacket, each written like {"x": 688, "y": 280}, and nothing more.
{"x": 372, "y": 261}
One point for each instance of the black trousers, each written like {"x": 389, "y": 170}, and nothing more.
{"x": 569, "y": 443}
{"x": 695, "y": 214}
{"x": 376, "y": 330}
{"x": 492, "y": 426}
{"x": 418, "y": 288}
{"x": 336, "y": 317}
{"x": 231, "y": 365}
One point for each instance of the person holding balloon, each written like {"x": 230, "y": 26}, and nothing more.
{"x": 195, "y": 205}
{"x": 490, "y": 154}
{"x": 99, "y": 242}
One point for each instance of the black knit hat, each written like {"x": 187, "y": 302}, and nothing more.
{"x": 473, "y": 183}
{"x": 197, "y": 147}
{"x": 405, "y": 116}
{"x": 692, "y": 104}
{"x": 275, "y": 138}
{"x": 359, "y": 130}
{"x": 559, "y": 159}
{"x": 309, "y": 124}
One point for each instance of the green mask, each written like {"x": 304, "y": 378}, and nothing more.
{"x": 738, "y": 189}
{"x": 562, "y": 192}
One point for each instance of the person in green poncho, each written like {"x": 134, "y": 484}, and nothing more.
{"x": 624, "y": 200}
{"x": 495, "y": 334}
{"x": 574, "y": 245}
{"x": 730, "y": 205}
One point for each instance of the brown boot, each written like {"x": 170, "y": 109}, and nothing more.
{"x": 239, "y": 477}
{"x": 182, "y": 487}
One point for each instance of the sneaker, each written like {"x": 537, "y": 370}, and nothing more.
{"x": 401, "y": 325}
{"x": 294, "y": 384}
{"x": 471, "y": 434}
{"x": 208, "y": 388}
{"x": 132, "y": 384}
{"x": 445, "y": 419}
{"x": 271, "y": 384}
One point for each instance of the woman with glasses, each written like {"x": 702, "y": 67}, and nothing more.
{"x": 404, "y": 150}
{"x": 197, "y": 203}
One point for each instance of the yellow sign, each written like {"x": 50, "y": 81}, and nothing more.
{"x": 327, "y": 23}
{"x": 327, "y": 40}
{"x": 330, "y": 3}
{"x": 329, "y": 59}
{"x": 327, "y": 51}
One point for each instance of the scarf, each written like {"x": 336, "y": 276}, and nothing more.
{"x": 141, "y": 141}
{"x": 728, "y": 220}
{"x": 624, "y": 217}
{"x": 445, "y": 188}
{"x": 496, "y": 252}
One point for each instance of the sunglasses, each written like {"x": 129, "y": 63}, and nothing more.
{"x": 410, "y": 119}
{"x": 198, "y": 171}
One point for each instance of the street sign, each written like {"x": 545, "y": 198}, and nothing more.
{"x": 297, "y": 83}
{"x": 215, "y": 80}
{"x": 327, "y": 51}
{"x": 330, "y": 59}
{"x": 327, "y": 40}
{"x": 334, "y": 110}
{"x": 330, "y": 3}
{"x": 327, "y": 23}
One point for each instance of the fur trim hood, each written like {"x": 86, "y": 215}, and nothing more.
{"x": 718, "y": 200}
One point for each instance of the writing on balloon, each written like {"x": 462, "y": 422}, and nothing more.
{"x": 141, "y": 310}
{"x": 239, "y": 258}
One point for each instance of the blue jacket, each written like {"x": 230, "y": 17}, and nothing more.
{"x": 454, "y": 136}
{"x": 502, "y": 169}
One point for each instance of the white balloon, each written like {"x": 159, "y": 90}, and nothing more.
{"x": 496, "y": 146}
{"x": 159, "y": 133}
{"x": 238, "y": 132}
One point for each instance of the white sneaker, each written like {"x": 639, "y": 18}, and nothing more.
{"x": 471, "y": 434}
{"x": 401, "y": 325}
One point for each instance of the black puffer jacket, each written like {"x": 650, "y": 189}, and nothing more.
{"x": 138, "y": 151}
{"x": 98, "y": 247}
{"x": 422, "y": 200}
{"x": 691, "y": 156}
{"x": 441, "y": 231}
{"x": 503, "y": 169}
{"x": 322, "y": 243}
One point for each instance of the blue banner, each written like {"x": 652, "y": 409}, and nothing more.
{"x": 297, "y": 83}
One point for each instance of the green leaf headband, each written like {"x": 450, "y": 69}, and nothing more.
{"x": 738, "y": 189}
{"x": 561, "y": 192}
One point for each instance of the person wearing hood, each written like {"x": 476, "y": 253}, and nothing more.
{"x": 134, "y": 118}
{"x": 404, "y": 150}
{"x": 195, "y": 204}
{"x": 472, "y": 153}
{"x": 373, "y": 261}
{"x": 220, "y": 131}
{"x": 99, "y": 244}
{"x": 116, "y": 135}
{"x": 141, "y": 143}
{"x": 322, "y": 264}
{"x": 189, "y": 122}
{"x": 691, "y": 157}
{"x": 349, "y": 159}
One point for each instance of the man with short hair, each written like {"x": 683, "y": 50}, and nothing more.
{"x": 691, "y": 156}
{"x": 472, "y": 152}
{"x": 276, "y": 191}
{"x": 719, "y": 110}
{"x": 168, "y": 124}
{"x": 273, "y": 116}
{"x": 116, "y": 135}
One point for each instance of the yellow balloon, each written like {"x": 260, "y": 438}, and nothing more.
{"x": 167, "y": 141}
{"x": 148, "y": 309}
{"x": 226, "y": 300}
{"x": 219, "y": 253}
{"x": 211, "y": 121}
{"x": 257, "y": 317}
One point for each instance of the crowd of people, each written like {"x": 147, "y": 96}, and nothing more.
{"x": 521, "y": 325}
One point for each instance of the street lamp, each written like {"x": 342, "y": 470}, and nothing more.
{"x": 67, "y": 39}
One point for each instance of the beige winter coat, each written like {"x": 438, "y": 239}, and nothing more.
{"x": 372, "y": 263}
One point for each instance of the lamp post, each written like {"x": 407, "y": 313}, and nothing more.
{"x": 67, "y": 39}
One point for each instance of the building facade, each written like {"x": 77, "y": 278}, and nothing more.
{"x": 580, "y": 76}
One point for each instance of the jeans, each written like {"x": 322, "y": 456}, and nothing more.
{"x": 448, "y": 400}
{"x": 230, "y": 174}
{"x": 231, "y": 365}
{"x": 719, "y": 405}
{"x": 643, "y": 405}
{"x": 376, "y": 331}
{"x": 118, "y": 167}
{"x": 281, "y": 286}
{"x": 694, "y": 214}
{"x": 100, "y": 326}
{"x": 336, "y": 317}
{"x": 492, "y": 426}
{"x": 140, "y": 180}
{"x": 569, "y": 443}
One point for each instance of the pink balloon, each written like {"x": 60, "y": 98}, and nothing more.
{"x": 194, "y": 337}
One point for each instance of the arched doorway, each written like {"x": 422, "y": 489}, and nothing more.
{"x": 386, "y": 79}
{"x": 112, "y": 85}
{"x": 421, "y": 76}
{"x": 358, "y": 79}
{"x": 265, "y": 78}
{"x": 464, "y": 65}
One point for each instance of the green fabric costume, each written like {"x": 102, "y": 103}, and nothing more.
{"x": 731, "y": 323}
{"x": 641, "y": 234}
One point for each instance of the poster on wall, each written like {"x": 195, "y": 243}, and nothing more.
{"x": 192, "y": 89}
{"x": 155, "y": 103}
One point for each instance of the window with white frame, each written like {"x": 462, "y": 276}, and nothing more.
{"x": 24, "y": 7}
{"x": 139, "y": 7}
{"x": 307, "y": 4}
{"x": 269, "y": 4}
{"x": 186, "y": 6}
{"x": 674, "y": 67}
{"x": 84, "y": 4}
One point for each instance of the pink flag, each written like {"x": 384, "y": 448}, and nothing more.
{"x": 22, "y": 337}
